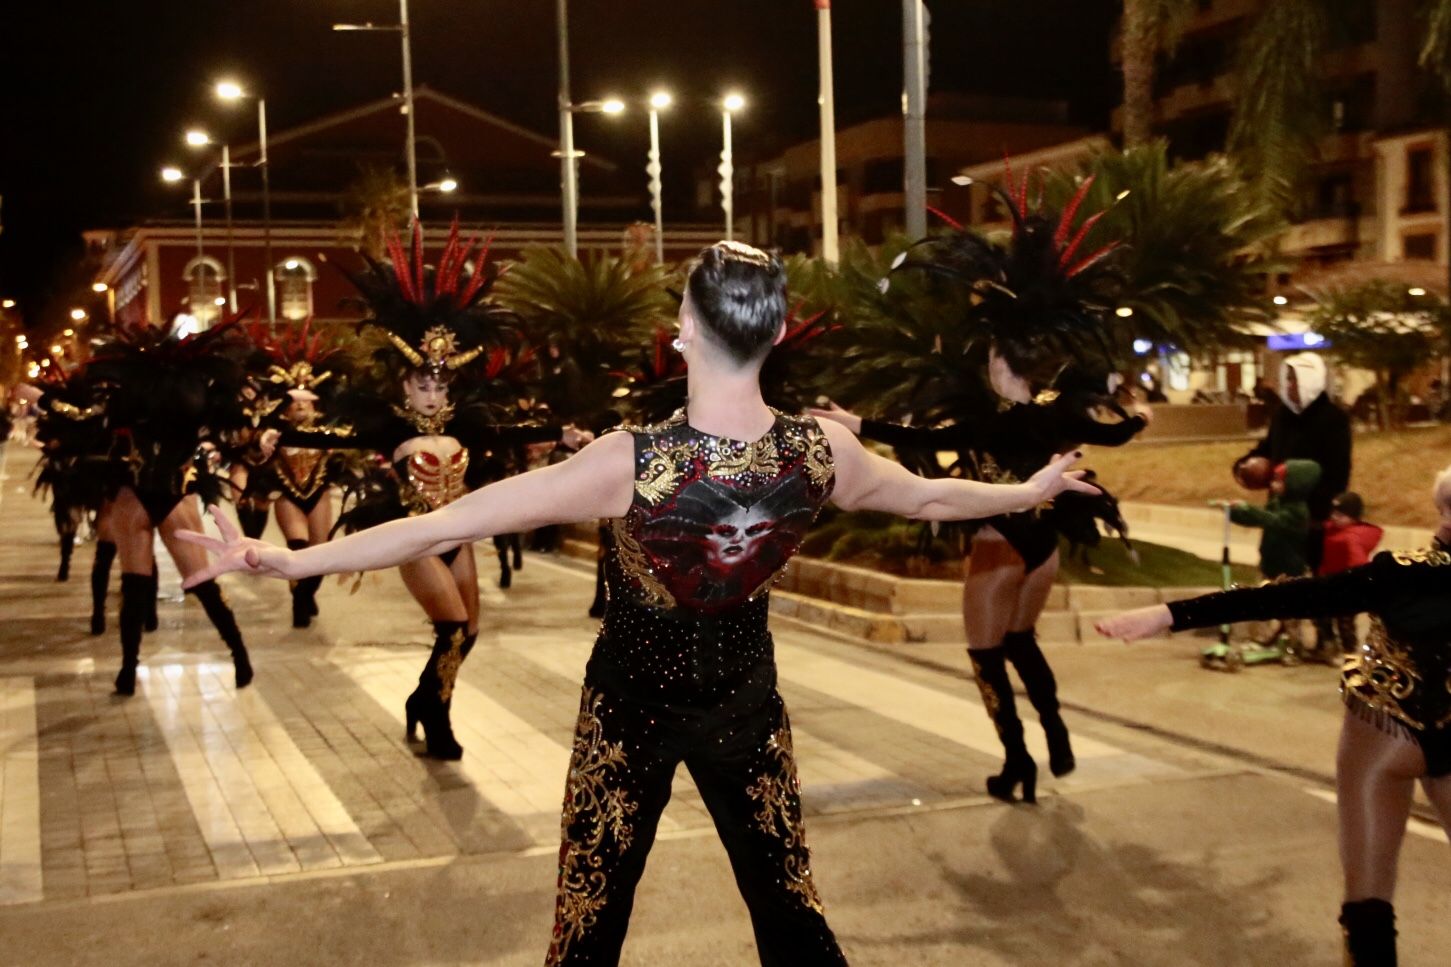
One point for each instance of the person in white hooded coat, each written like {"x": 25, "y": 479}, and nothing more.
{"x": 1309, "y": 426}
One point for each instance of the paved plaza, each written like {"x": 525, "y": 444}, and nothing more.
{"x": 290, "y": 824}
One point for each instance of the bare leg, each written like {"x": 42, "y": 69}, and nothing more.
{"x": 990, "y": 595}
{"x": 432, "y": 586}
{"x": 1375, "y": 778}
{"x": 189, "y": 559}
{"x": 466, "y": 578}
{"x": 291, "y": 520}
{"x": 1033, "y": 597}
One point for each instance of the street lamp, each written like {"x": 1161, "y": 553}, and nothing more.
{"x": 7, "y": 304}
{"x": 611, "y": 106}
{"x": 171, "y": 175}
{"x": 197, "y": 139}
{"x": 732, "y": 103}
{"x": 99, "y": 287}
{"x": 402, "y": 28}
{"x": 79, "y": 315}
{"x": 231, "y": 92}
{"x": 659, "y": 101}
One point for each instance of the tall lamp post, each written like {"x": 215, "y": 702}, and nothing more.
{"x": 731, "y": 104}
{"x": 569, "y": 174}
{"x": 172, "y": 175}
{"x": 231, "y": 91}
{"x": 827, "y": 100}
{"x": 401, "y": 27}
{"x": 200, "y": 139}
{"x": 571, "y": 158}
{"x": 659, "y": 101}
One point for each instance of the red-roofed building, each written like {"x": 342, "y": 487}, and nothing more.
{"x": 320, "y": 173}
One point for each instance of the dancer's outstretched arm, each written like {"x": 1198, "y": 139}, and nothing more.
{"x": 597, "y": 482}
{"x": 866, "y": 481}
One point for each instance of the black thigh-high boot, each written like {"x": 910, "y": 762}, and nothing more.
{"x": 1027, "y": 657}
{"x": 1370, "y": 933}
{"x": 432, "y": 699}
{"x": 516, "y": 545}
{"x": 133, "y": 613}
{"x": 252, "y": 517}
{"x": 100, "y": 582}
{"x": 506, "y": 573}
{"x": 303, "y": 604}
{"x": 67, "y": 548}
{"x": 153, "y": 589}
{"x": 989, "y": 667}
{"x": 220, "y": 614}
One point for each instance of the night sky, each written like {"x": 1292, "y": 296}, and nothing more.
{"x": 94, "y": 96}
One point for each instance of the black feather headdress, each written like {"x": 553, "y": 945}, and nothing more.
{"x": 433, "y": 317}
{"x": 1040, "y": 293}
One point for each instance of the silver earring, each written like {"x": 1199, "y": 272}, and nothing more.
{"x": 678, "y": 345}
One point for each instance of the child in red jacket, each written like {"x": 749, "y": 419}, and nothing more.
{"x": 1349, "y": 542}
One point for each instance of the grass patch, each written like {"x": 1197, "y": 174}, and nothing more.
{"x": 882, "y": 542}
{"x": 1392, "y": 471}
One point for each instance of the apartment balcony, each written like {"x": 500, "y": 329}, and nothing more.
{"x": 1327, "y": 227}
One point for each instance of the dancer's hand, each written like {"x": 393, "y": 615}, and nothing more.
{"x": 267, "y": 442}
{"x": 237, "y": 553}
{"x": 1136, "y": 624}
{"x": 1055, "y": 478}
{"x": 574, "y": 438}
{"x": 845, "y": 417}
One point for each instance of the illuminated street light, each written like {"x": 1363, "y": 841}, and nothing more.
{"x": 448, "y": 185}
{"x": 171, "y": 175}
{"x": 733, "y": 102}
{"x": 962, "y": 181}
{"x": 197, "y": 138}
{"x": 229, "y": 90}
{"x": 220, "y": 300}
{"x": 7, "y": 304}
{"x": 1416, "y": 291}
{"x": 613, "y": 105}
{"x": 99, "y": 287}
{"x": 68, "y": 333}
{"x": 291, "y": 265}
{"x": 1123, "y": 312}
{"x": 1280, "y": 300}
{"x": 56, "y": 350}
{"x": 78, "y": 314}
{"x": 660, "y": 100}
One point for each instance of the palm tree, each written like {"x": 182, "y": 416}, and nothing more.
{"x": 375, "y": 204}
{"x": 587, "y": 320}
{"x": 1149, "y": 28}
{"x": 1196, "y": 246}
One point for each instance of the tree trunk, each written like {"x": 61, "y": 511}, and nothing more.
{"x": 1137, "y": 48}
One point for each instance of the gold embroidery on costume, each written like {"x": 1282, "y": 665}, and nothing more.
{"x": 70, "y": 412}
{"x": 1382, "y": 676}
{"x": 989, "y": 694}
{"x": 780, "y": 816}
{"x": 820, "y": 466}
{"x": 437, "y": 481}
{"x": 634, "y": 563}
{"x": 658, "y": 479}
{"x": 449, "y": 663}
{"x": 303, "y": 471}
{"x": 594, "y": 800}
{"x": 1434, "y": 556}
{"x": 428, "y": 425}
{"x": 1045, "y": 397}
{"x": 728, "y": 460}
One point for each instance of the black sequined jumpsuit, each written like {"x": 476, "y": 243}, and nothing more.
{"x": 684, "y": 671}
{"x": 1400, "y": 680}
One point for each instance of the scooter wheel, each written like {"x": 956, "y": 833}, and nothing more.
{"x": 1290, "y": 659}
{"x": 1234, "y": 662}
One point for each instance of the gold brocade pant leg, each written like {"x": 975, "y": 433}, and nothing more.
{"x": 619, "y": 780}
{"x": 745, "y": 769}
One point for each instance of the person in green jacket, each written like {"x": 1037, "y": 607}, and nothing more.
{"x": 1285, "y": 519}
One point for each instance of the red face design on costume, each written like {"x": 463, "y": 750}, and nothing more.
{"x": 738, "y": 537}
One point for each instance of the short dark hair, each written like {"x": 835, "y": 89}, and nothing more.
{"x": 1350, "y": 505}
{"x": 739, "y": 295}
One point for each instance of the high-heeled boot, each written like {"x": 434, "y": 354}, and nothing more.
{"x": 133, "y": 613}
{"x": 989, "y": 667}
{"x": 67, "y": 548}
{"x": 506, "y": 573}
{"x": 516, "y": 546}
{"x": 100, "y": 582}
{"x": 303, "y": 606}
{"x": 221, "y": 616}
{"x": 1370, "y": 933}
{"x": 252, "y": 518}
{"x": 153, "y": 590}
{"x": 1022, "y": 650}
{"x": 432, "y": 700}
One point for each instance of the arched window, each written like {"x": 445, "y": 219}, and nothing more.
{"x": 204, "y": 276}
{"x": 295, "y": 276}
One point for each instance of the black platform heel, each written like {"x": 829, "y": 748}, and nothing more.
{"x": 430, "y": 702}
{"x": 1370, "y": 933}
{"x": 1021, "y": 648}
{"x": 989, "y": 666}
